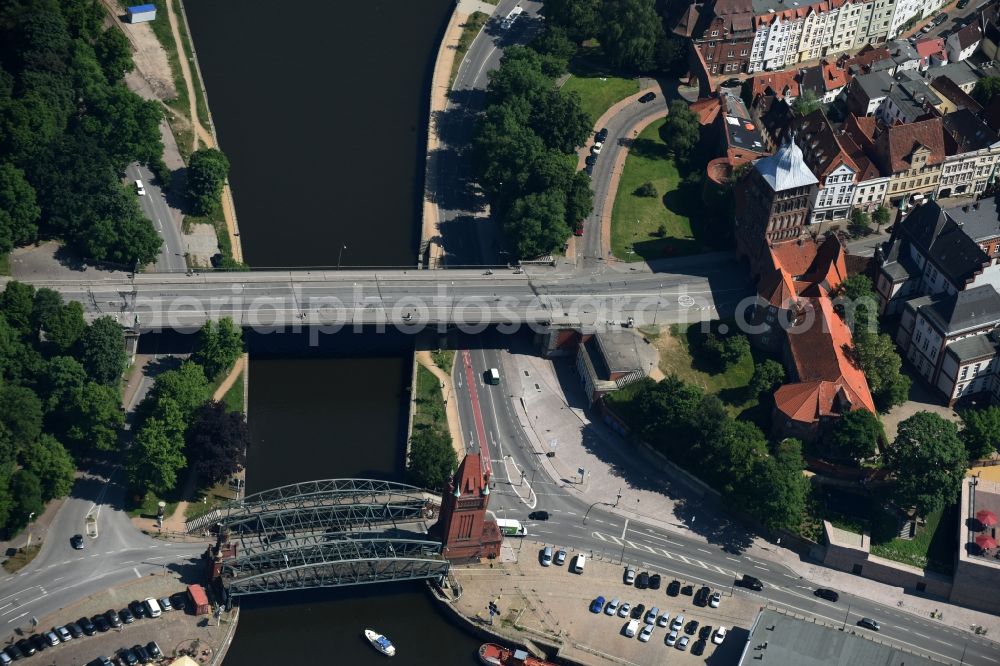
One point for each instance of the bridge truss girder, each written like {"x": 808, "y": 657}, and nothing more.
{"x": 312, "y": 562}
{"x": 325, "y": 518}
{"x": 326, "y": 492}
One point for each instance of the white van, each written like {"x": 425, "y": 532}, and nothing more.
{"x": 581, "y": 561}
{"x": 152, "y": 607}
{"x": 139, "y": 188}
{"x": 631, "y": 628}
{"x": 493, "y": 376}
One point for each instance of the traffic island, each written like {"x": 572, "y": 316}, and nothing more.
{"x": 548, "y": 608}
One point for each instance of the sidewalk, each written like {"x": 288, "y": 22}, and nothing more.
{"x": 557, "y": 411}
{"x": 425, "y": 359}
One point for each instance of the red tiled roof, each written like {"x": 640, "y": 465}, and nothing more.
{"x": 798, "y": 267}
{"x": 833, "y": 76}
{"x": 776, "y": 82}
{"x": 830, "y": 383}
{"x": 895, "y": 145}
{"x": 707, "y": 109}
{"x": 929, "y": 46}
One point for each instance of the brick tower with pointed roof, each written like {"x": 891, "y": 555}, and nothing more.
{"x": 463, "y": 527}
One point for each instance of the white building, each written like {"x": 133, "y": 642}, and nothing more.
{"x": 963, "y": 43}
{"x": 974, "y": 165}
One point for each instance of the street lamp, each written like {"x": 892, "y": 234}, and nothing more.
{"x": 341, "y": 253}
{"x": 30, "y": 516}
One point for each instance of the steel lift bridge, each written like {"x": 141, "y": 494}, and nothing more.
{"x": 328, "y": 533}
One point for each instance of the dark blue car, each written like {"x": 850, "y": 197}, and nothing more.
{"x": 597, "y": 605}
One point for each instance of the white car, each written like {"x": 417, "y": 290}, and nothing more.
{"x": 629, "y": 576}
{"x": 682, "y": 644}
{"x": 625, "y": 608}
{"x": 678, "y": 623}
{"x": 139, "y": 188}
{"x": 720, "y": 635}
{"x": 663, "y": 620}
{"x": 612, "y": 607}
{"x": 672, "y": 638}
{"x": 715, "y": 600}
{"x": 646, "y": 632}
{"x": 596, "y": 149}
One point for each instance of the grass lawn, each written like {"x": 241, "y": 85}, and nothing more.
{"x": 233, "y": 400}
{"x": 149, "y": 506}
{"x": 444, "y": 359}
{"x": 598, "y": 93}
{"x": 470, "y": 29}
{"x": 207, "y": 499}
{"x": 430, "y": 402}
{"x": 636, "y": 222}
{"x": 933, "y": 546}
{"x": 218, "y": 221}
{"x": 4, "y": 263}
{"x": 21, "y": 558}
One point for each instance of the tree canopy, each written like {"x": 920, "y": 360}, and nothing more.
{"x": 217, "y": 442}
{"x": 981, "y": 431}
{"x": 986, "y": 88}
{"x": 102, "y": 350}
{"x": 432, "y": 458}
{"x": 857, "y": 435}
{"x": 681, "y": 130}
{"x": 928, "y": 462}
{"x": 207, "y": 171}
{"x": 219, "y": 345}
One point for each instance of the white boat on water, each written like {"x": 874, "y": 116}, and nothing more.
{"x": 380, "y": 643}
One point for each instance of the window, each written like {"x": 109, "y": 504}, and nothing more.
{"x": 965, "y": 372}
{"x": 715, "y": 33}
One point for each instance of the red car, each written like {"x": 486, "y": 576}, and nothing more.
{"x": 578, "y": 231}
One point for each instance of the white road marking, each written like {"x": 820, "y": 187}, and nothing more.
{"x": 137, "y": 574}
{"x": 732, "y": 559}
{"x": 705, "y": 551}
{"x": 760, "y": 567}
{"x": 17, "y": 618}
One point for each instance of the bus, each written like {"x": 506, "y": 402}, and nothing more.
{"x": 511, "y": 527}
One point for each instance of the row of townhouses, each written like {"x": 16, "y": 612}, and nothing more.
{"x": 755, "y": 35}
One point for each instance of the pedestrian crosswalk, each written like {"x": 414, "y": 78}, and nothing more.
{"x": 656, "y": 550}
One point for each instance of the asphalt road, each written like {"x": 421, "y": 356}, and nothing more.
{"x": 154, "y": 206}
{"x": 469, "y": 234}
{"x": 618, "y": 126}
{"x": 411, "y": 299}
{"x": 576, "y": 524}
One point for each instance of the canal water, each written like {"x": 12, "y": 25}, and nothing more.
{"x": 321, "y": 108}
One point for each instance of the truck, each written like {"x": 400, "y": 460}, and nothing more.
{"x": 511, "y": 527}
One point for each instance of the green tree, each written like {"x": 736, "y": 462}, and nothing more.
{"x": 726, "y": 352}
{"x": 776, "y": 490}
{"x": 21, "y": 413}
{"x": 219, "y": 345}
{"x": 857, "y": 435}
{"x": 766, "y": 377}
{"x": 19, "y": 211}
{"x": 114, "y": 53}
{"x": 555, "y": 43}
{"x": 881, "y": 216}
{"x": 860, "y": 221}
{"x": 536, "y": 224}
{"x": 667, "y": 412}
{"x": 579, "y": 199}
{"x": 26, "y": 493}
{"x": 671, "y": 55}
{"x": 680, "y": 131}
{"x": 647, "y": 189}
{"x": 559, "y": 119}
{"x": 90, "y": 418}
{"x": 432, "y": 458}
{"x": 630, "y": 33}
{"x": 858, "y": 304}
{"x": 733, "y": 455}
{"x": 156, "y": 456}
{"x": 806, "y": 103}
{"x": 207, "y": 171}
{"x": 186, "y": 387}
{"x": 45, "y": 306}
{"x": 16, "y": 305}
{"x": 102, "y": 350}
{"x": 217, "y": 442}
{"x": 581, "y": 19}
{"x": 49, "y": 461}
{"x": 877, "y": 357}
{"x": 981, "y": 431}
{"x": 986, "y": 88}
{"x": 928, "y": 462}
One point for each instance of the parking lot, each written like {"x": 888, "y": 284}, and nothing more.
{"x": 552, "y": 603}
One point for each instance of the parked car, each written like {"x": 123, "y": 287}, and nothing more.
{"x": 646, "y": 632}
{"x": 63, "y": 634}
{"x": 127, "y": 658}
{"x": 715, "y": 600}
{"x": 638, "y": 611}
{"x": 705, "y": 633}
{"x": 165, "y": 604}
{"x": 74, "y": 630}
{"x": 651, "y": 615}
{"x": 139, "y": 188}
{"x": 629, "y": 575}
{"x": 869, "y": 623}
{"x": 701, "y": 598}
{"x": 751, "y": 582}
{"x": 25, "y": 647}
{"x": 101, "y": 623}
{"x": 682, "y": 644}
{"x": 76, "y": 541}
{"x": 829, "y": 595}
{"x": 612, "y": 606}
{"x": 597, "y": 605}
{"x": 13, "y": 652}
{"x": 87, "y": 626}
{"x": 674, "y": 588}
{"x": 102, "y": 661}
{"x": 672, "y": 638}
{"x": 654, "y": 582}
{"x": 601, "y": 135}
{"x": 140, "y": 652}
{"x": 578, "y": 229}
{"x": 154, "y": 650}
{"x": 732, "y": 83}
{"x": 691, "y": 627}
{"x": 648, "y": 97}
{"x": 624, "y": 609}
{"x": 698, "y": 648}
{"x": 590, "y": 160}
{"x": 179, "y": 600}
{"x": 962, "y": 4}
{"x": 630, "y": 628}
{"x": 678, "y": 622}
{"x": 546, "y": 556}
{"x": 560, "y": 559}
{"x": 663, "y": 620}
{"x": 642, "y": 580}
{"x": 720, "y": 635}
{"x": 137, "y": 608}
{"x": 538, "y": 515}
{"x": 126, "y": 616}
{"x": 39, "y": 642}
{"x": 941, "y": 18}
{"x": 113, "y": 619}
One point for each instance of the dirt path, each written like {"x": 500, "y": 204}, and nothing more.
{"x": 228, "y": 382}
{"x": 425, "y": 359}
{"x": 203, "y": 135}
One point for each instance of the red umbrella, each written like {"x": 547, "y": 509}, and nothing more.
{"x": 986, "y": 542}
{"x": 987, "y": 518}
